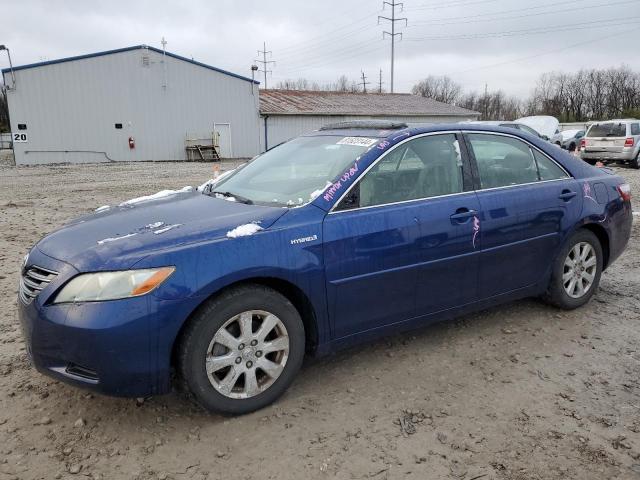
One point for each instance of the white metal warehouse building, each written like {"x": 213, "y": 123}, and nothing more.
{"x": 289, "y": 113}
{"x": 135, "y": 103}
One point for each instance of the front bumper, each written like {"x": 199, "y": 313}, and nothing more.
{"x": 120, "y": 347}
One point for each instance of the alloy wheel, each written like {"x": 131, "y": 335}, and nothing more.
{"x": 247, "y": 354}
{"x": 579, "y": 270}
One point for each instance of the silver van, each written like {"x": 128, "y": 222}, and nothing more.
{"x": 613, "y": 140}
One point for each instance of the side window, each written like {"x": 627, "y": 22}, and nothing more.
{"x": 502, "y": 161}
{"x": 425, "y": 167}
{"x": 635, "y": 129}
{"x": 547, "y": 168}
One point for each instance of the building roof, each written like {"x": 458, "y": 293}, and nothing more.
{"x": 304, "y": 102}
{"x": 127, "y": 49}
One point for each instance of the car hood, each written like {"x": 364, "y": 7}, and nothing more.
{"x": 118, "y": 237}
{"x": 543, "y": 124}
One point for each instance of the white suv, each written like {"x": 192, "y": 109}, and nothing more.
{"x": 613, "y": 140}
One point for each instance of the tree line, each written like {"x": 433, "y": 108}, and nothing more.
{"x": 571, "y": 97}
{"x": 592, "y": 94}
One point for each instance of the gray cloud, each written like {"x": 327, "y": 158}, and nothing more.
{"x": 474, "y": 41}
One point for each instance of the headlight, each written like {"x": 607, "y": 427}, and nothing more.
{"x": 94, "y": 287}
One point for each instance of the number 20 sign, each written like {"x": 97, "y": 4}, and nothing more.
{"x": 19, "y": 137}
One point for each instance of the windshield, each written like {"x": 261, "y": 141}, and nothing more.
{"x": 295, "y": 172}
{"x": 608, "y": 130}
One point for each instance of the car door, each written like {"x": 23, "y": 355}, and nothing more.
{"x": 527, "y": 201}
{"x": 403, "y": 221}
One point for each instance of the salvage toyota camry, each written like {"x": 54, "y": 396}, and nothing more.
{"x": 351, "y": 232}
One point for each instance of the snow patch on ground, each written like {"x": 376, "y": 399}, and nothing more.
{"x": 244, "y": 230}
{"x": 113, "y": 239}
{"x": 166, "y": 229}
{"x": 155, "y": 196}
{"x": 103, "y": 208}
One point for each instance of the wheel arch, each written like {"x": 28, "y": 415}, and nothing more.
{"x": 291, "y": 292}
{"x": 603, "y": 237}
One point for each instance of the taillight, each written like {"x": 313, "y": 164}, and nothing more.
{"x": 625, "y": 191}
{"x": 583, "y": 143}
{"x": 628, "y": 142}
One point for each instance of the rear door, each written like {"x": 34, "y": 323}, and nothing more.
{"x": 606, "y": 138}
{"x": 527, "y": 202}
{"x": 397, "y": 234}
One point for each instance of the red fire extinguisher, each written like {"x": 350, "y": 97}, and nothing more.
{"x": 132, "y": 143}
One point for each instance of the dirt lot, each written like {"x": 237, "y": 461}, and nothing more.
{"x": 523, "y": 391}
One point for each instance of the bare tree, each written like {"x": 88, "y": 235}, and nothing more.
{"x": 342, "y": 84}
{"x": 442, "y": 89}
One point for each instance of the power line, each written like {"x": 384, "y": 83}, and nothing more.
{"x": 393, "y": 4}
{"x": 265, "y": 63}
{"x": 439, "y": 6}
{"x": 439, "y": 22}
{"x": 547, "y": 52}
{"x": 327, "y": 34}
{"x": 531, "y": 31}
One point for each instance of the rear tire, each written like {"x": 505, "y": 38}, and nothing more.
{"x": 241, "y": 350}
{"x": 576, "y": 271}
{"x": 635, "y": 163}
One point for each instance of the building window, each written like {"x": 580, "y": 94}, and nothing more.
{"x": 22, "y": 126}
{"x": 119, "y": 126}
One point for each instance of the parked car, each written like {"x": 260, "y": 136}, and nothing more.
{"x": 333, "y": 238}
{"x": 614, "y": 140}
{"x": 546, "y": 126}
{"x": 571, "y": 139}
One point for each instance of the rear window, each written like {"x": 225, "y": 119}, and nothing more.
{"x": 635, "y": 129}
{"x": 608, "y": 130}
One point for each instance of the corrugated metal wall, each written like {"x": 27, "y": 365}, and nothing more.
{"x": 71, "y": 109}
{"x": 283, "y": 127}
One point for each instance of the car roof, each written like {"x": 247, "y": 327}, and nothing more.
{"x": 417, "y": 129}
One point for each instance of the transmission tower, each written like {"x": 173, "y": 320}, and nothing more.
{"x": 393, "y": 4}
{"x": 265, "y": 63}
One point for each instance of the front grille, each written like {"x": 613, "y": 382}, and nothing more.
{"x": 33, "y": 280}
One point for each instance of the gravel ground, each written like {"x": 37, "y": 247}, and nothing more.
{"x": 522, "y": 391}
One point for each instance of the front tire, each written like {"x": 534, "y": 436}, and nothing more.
{"x": 576, "y": 271}
{"x": 241, "y": 350}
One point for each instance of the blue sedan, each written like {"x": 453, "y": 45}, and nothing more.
{"x": 343, "y": 235}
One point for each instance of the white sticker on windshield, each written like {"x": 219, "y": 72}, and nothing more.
{"x": 358, "y": 141}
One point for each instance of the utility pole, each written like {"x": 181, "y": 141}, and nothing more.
{"x": 393, "y": 4}
{"x": 364, "y": 82}
{"x": 265, "y": 63}
{"x": 380, "y": 82}
{"x": 164, "y": 63}
{"x": 486, "y": 100}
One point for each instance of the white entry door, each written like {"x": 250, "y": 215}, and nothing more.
{"x": 222, "y": 132}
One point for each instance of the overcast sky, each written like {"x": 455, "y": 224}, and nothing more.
{"x": 506, "y": 44}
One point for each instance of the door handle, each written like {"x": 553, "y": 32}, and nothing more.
{"x": 462, "y": 215}
{"x": 567, "y": 195}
